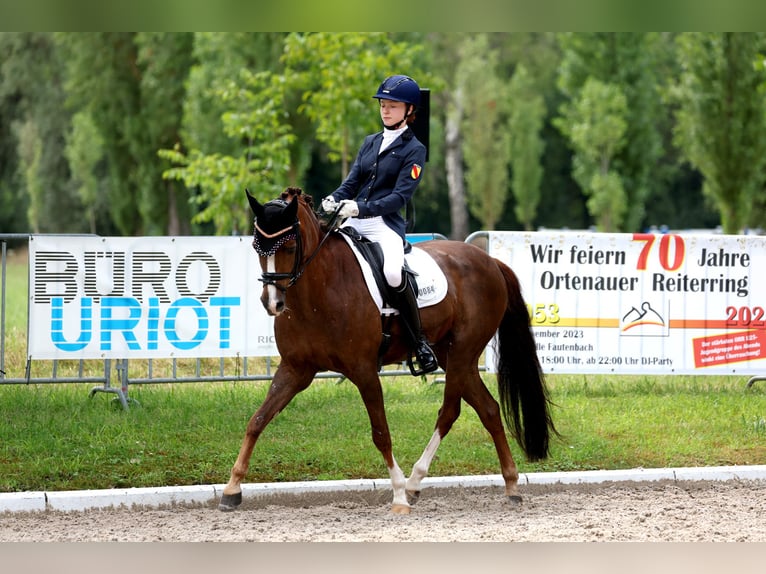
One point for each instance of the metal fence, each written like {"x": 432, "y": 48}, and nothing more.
{"x": 118, "y": 375}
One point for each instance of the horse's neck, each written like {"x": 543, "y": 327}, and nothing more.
{"x": 329, "y": 268}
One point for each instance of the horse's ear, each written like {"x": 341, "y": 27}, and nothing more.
{"x": 254, "y": 205}
{"x": 292, "y": 208}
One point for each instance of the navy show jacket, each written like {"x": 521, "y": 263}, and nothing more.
{"x": 383, "y": 184}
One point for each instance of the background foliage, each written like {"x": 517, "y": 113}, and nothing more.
{"x": 158, "y": 133}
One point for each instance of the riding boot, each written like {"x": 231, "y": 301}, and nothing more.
{"x": 407, "y": 304}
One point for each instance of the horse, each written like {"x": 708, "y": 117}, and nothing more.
{"x": 326, "y": 320}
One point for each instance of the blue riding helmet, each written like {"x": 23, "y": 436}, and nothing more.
{"x": 399, "y": 89}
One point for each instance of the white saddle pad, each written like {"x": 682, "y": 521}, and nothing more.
{"x": 432, "y": 283}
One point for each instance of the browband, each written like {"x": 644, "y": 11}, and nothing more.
{"x": 272, "y": 235}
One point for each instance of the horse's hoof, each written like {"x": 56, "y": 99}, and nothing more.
{"x": 515, "y": 500}
{"x": 230, "y": 502}
{"x": 413, "y": 496}
{"x": 400, "y": 509}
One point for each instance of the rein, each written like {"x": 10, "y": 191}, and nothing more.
{"x": 298, "y": 269}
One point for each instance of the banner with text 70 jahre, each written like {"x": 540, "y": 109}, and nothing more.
{"x": 641, "y": 303}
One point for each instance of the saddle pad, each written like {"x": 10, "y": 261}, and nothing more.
{"x": 432, "y": 283}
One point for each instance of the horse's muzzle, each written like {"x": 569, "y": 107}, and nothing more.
{"x": 273, "y": 300}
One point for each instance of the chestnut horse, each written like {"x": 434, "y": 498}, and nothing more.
{"x": 326, "y": 320}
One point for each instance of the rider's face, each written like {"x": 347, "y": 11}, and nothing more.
{"x": 392, "y": 112}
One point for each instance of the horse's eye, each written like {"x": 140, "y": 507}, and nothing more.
{"x": 290, "y": 248}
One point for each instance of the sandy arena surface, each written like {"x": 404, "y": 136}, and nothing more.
{"x": 694, "y": 511}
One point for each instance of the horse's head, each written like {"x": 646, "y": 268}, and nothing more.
{"x": 284, "y": 228}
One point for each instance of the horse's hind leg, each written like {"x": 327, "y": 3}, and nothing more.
{"x": 478, "y": 396}
{"x": 286, "y": 384}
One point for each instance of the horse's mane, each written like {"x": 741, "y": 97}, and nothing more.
{"x": 292, "y": 192}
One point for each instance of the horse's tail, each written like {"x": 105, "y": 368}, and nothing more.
{"x": 521, "y": 385}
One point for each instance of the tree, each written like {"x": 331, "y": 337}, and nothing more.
{"x": 526, "y": 145}
{"x": 102, "y": 79}
{"x": 84, "y": 151}
{"x": 164, "y": 60}
{"x": 595, "y": 124}
{"x": 485, "y": 143}
{"x": 335, "y": 76}
{"x": 31, "y": 84}
{"x": 132, "y": 86}
{"x": 338, "y": 75}
{"x": 255, "y": 117}
{"x": 721, "y": 120}
{"x": 629, "y": 62}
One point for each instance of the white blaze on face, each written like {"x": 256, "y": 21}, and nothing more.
{"x": 270, "y": 289}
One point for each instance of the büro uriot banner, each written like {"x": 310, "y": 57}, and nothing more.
{"x": 148, "y": 297}
{"x": 641, "y": 303}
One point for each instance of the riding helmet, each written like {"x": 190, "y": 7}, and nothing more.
{"x": 399, "y": 89}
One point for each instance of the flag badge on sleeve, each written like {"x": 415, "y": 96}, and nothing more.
{"x": 415, "y": 172}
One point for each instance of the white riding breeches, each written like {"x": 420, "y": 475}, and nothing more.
{"x": 375, "y": 229}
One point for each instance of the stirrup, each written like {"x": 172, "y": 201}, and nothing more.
{"x": 426, "y": 361}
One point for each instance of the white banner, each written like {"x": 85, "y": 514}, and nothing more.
{"x": 145, "y": 297}
{"x": 642, "y": 303}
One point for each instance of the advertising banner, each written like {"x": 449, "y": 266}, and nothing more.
{"x": 642, "y": 303}
{"x": 145, "y": 297}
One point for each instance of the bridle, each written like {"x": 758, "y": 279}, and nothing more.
{"x": 292, "y": 277}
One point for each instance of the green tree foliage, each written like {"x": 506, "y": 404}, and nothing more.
{"x": 721, "y": 118}
{"x": 595, "y": 124}
{"x": 486, "y": 147}
{"x": 13, "y": 205}
{"x": 255, "y": 117}
{"x": 84, "y": 151}
{"x": 132, "y": 86}
{"x": 525, "y": 124}
{"x": 164, "y": 60}
{"x": 102, "y": 79}
{"x": 335, "y": 76}
{"x": 195, "y": 95}
{"x": 338, "y": 75}
{"x": 30, "y": 156}
{"x": 31, "y": 82}
{"x": 628, "y": 61}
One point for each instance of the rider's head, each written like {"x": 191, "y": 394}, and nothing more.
{"x": 399, "y": 97}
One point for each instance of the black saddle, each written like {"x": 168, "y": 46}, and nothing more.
{"x": 373, "y": 254}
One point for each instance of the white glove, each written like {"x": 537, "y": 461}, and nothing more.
{"x": 329, "y": 205}
{"x": 348, "y": 208}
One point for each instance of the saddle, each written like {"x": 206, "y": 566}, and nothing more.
{"x": 373, "y": 255}
{"x": 418, "y": 264}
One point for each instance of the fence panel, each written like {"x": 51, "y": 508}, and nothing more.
{"x": 151, "y": 310}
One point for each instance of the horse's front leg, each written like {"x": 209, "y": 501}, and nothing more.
{"x": 287, "y": 383}
{"x": 372, "y": 395}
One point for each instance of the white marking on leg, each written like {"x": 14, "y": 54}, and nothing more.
{"x": 420, "y": 469}
{"x": 397, "y": 484}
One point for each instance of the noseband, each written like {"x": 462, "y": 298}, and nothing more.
{"x": 284, "y": 236}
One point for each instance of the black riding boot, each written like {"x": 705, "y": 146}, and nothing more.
{"x": 407, "y": 304}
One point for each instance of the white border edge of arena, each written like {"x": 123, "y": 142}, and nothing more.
{"x": 81, "y": 500}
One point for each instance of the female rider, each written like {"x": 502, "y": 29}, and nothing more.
{"x": 383, "y": 178}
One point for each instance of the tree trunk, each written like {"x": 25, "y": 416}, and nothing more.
{"x": 453, "y": 159}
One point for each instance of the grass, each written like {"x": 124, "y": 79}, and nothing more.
{"x": 57, "y": 437}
